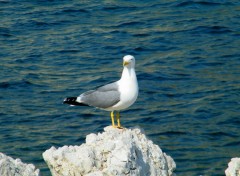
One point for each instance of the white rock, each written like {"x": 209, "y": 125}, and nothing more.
{"x": 122, "y": 152}
{"x": 233, "y": 167}
{"x": 11, "y": 167}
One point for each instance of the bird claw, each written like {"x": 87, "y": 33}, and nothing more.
{"x": 119, "y": 127}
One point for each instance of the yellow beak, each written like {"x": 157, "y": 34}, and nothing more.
{"x": 125, "y": 63}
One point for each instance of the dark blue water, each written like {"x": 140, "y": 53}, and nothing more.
{"x": 188, "y": 67}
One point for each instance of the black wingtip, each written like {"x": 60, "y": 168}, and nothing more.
{"x": 69, "y": 100}
{"x": 72, "y": 101}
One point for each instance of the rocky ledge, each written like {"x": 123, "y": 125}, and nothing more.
{"x": 122, "y": 152}
{"x": 233, "y": 167}
{"x": 11, "y": 167}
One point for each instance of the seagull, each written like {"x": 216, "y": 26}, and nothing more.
{"x": 112, "y": 97}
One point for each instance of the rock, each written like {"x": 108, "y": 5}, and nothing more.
{"x": 233, "y": 167}
{"x": 11, "y": 167}
{"x": 122, "y": 152}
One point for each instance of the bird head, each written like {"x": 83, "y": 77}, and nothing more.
{"x": 128, "y": 61}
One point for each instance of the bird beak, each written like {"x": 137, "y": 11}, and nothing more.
{"x": 125, "y": 63}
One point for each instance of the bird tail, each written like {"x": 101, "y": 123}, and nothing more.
{"x": 72, "y": 101}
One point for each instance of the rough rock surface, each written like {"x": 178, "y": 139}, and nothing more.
{"x": 11, "y": 167}
{"x": 233, "y": 167}
{"x": 122, "y": 152}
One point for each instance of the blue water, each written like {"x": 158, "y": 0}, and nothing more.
{"x": 188, "y": 67}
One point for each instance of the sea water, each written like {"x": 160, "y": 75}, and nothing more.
{"x": 187, "y": 62}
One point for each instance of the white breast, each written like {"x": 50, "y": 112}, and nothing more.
{"x": 128, "y": 88}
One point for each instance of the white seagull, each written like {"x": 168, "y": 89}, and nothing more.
{"x": 112, "y": 97}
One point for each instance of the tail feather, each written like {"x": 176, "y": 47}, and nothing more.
{"x": 72, "y": 101}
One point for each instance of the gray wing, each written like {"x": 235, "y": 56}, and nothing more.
{"x": 103, "y": 97}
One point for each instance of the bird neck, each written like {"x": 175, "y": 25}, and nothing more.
{"x": 128, "y": 73}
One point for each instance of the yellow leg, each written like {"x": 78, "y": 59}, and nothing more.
{"x": 118, "y": 120}
{"x": 112, "y": 117}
